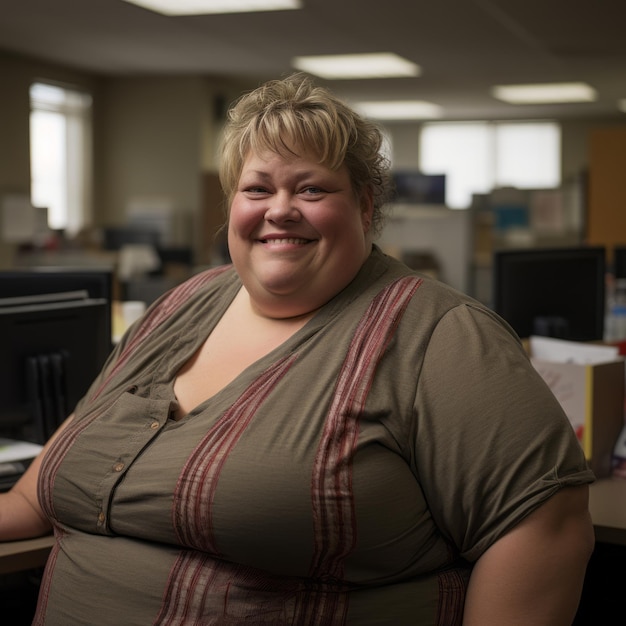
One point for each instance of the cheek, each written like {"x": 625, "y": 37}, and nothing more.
{"x": 242, "y": 220}
{"x": 235, "y": 232}
{"x": 334, "y": 220}
{"x": 351, "y": 225}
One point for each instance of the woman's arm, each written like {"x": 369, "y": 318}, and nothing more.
{"x": 21, "y": 516}
{"x": 535, "y": 573}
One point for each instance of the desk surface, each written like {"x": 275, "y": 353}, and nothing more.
{"x": 607, "y": 502}
{"x": 25, "y": 554}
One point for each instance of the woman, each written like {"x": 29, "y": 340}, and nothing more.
{"x": 315, "y": 435}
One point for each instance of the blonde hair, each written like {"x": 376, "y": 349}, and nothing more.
{"x": 285, "y": 115}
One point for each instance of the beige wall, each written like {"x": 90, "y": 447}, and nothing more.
{"x": 150, "y": 146}
{"x": 16, "y": 75}
{"x": 157, "y": 135}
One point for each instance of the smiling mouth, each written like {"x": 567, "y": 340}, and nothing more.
{"x": 289, "y": 240}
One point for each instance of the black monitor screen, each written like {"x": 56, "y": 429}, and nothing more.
{"x": 115, "y": 237}
{"x": 557, "y": 292}
{"x": 51, "y": 353}
{"x": 619, "y": 261}
{"x": 418, "y": 188}
{"x": 97, "y": 282}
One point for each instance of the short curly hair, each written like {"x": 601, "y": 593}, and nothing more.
{"x": 283, "y": 115}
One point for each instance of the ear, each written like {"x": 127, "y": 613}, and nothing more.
{"x": 367, "y": 209}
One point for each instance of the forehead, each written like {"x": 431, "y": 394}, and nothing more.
{"x": 296, "y": 159}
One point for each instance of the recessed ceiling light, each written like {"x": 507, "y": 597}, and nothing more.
{"x": 544, "y": 93}
{"x": 399, "y": 110}
{"x": 205, "y": 7}
{"x": 377, "y": 65}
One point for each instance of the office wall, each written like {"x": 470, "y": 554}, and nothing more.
{"x": 158, "y": 137}
{"x": 16, "y": 75}
{"x": 150, "y": 148}
{"x": 14, "y": 120}
{"x": 404, "y": 138}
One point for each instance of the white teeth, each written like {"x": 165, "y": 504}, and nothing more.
{"x": 286, "y": 240}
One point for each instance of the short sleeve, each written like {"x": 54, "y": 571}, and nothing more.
{"x": 492, "y": 441}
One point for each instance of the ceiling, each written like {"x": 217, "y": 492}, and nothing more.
{"x": 463, "y": 46}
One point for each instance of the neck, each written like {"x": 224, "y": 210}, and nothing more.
{"x": 283, "y": 313}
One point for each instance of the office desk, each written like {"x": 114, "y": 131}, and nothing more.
{"x": 607, "y": 503}
{"x": 602, "y": 595}
{"x": 26, "y": 554}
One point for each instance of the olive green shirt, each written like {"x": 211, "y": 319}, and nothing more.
{"x": 350, "y": 476}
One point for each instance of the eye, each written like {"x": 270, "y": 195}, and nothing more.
{"x": 256, "y": 190}
{"x": 311, "y": 190}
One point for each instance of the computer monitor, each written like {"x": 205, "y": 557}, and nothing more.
{"x": 556, "y": 292}
{"x": 51, "y": 353}
{"x": 115, "y": 237}
{"x": 96, "y": 281}
{"x": 413, "y": 187}
{"x": 619, "y": 261}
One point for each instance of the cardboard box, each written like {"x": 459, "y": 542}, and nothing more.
{"x": 592, "y": 396}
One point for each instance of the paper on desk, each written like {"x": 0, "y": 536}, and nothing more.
{"x": 13, "y": 450}
{"x": 561, "y": 351}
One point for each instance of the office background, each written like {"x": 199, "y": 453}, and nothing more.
{"x": 155, "y": 132}
{"x": 156, "y": 122}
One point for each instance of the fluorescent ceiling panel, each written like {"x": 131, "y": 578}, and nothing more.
{"x": 544, "y": 93}
{"x": 399, "y": 110}
{"x": 337, "y": 66}
{"x": 205, "y": 7}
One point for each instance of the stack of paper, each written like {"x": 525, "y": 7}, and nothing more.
{"x": 14, "y": 450}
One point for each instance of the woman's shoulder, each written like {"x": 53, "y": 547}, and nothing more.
{"x": 432, "y": 291}
{"x": 434, "y": 302}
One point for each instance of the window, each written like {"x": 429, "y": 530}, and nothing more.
{"x": 60, "y": 155}
{"x": 478, "y": 156}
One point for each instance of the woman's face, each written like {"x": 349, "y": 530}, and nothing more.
{"x": 297, "y": 232}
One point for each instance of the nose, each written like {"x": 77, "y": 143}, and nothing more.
{"x": 282, "y": 207}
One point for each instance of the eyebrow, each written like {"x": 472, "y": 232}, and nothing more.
{"x": 261, "y": 173}
{"x": 298, "y": 175}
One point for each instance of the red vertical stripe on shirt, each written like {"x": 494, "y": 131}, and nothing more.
{"x": 334, "y": 518}
{"x": 194, "y": 494}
